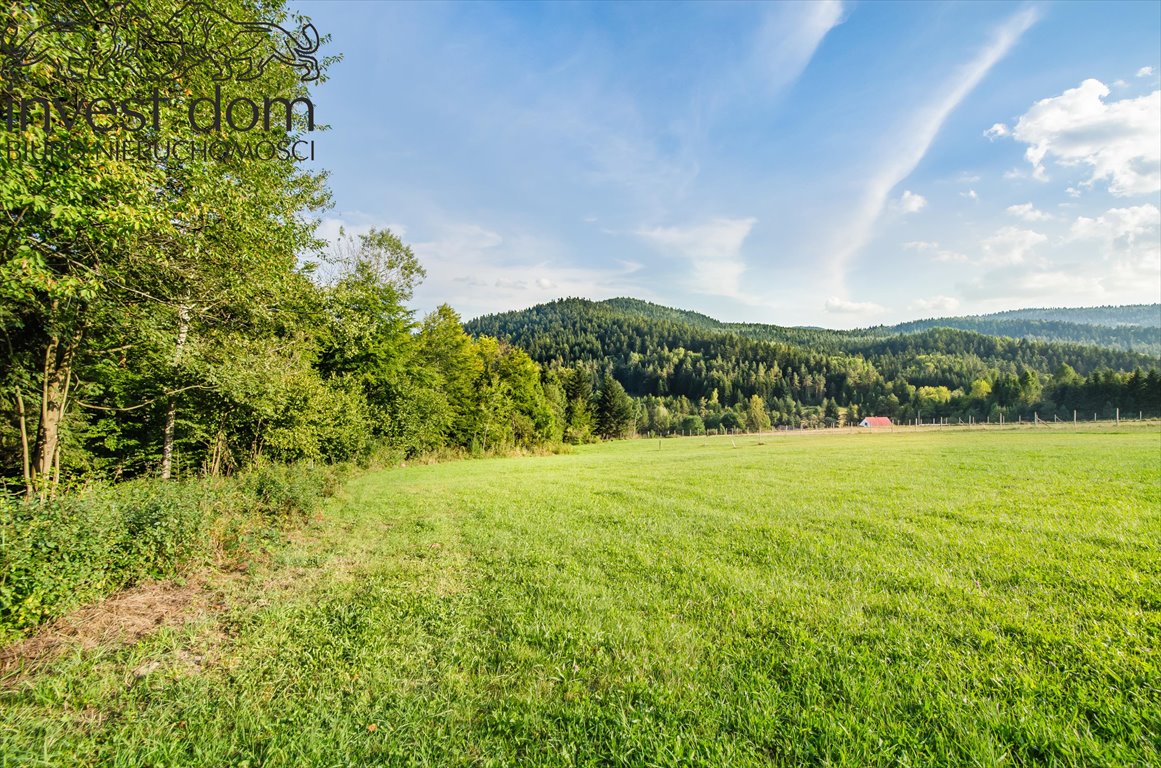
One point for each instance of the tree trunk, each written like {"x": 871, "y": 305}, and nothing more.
{"x": 25, "y": 457}
{"x": 57, "y": 372}
{"x": 171, "y": 411}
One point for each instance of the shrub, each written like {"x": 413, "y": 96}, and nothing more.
{"x": 59, "y": 554}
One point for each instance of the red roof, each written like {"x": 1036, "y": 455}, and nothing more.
{"x": 876, "y": 421}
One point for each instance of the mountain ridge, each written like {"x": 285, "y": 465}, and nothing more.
{"x": 1129, "y": 327}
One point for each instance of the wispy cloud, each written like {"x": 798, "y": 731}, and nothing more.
{"x": 1011, "y": 245}
{"x": 844, "y": 307}
{"x": 788, "y": 37}
{"x": 935, "y": 304}
{"x": 713, "y": 251}
{"x": 936, "y": 252}
{"x": 1028, "y": 212}
{"x": 914, "y": 143}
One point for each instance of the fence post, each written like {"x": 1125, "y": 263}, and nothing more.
{"x": 1118, "y": 417}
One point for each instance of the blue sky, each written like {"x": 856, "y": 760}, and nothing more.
{"x": 834, "y": 164}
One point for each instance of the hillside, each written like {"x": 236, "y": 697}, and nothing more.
{"x": 1145, "y": 315}
{"x": 684, "y": 359}
{"x": 1130, "y": 328}
{"x": 1134, "y": 327}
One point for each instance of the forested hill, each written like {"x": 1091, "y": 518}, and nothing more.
{"x": 1146, "y": 315}
{"x": 1131, "y": 328}
{"x": 671, "y": 354}
{"x": 1135, "y": 327}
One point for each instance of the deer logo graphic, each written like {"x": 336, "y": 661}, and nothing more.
{"x": 120, "y": 39}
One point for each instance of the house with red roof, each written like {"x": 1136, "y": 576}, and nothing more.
{"x": 875, "y": 421}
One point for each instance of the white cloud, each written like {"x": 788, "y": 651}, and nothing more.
{"x": 713, "y": 250}
{"x": 354, "y": 223}
{"x": 789, "y": 35}
{"x": 1028, "y": 212}
{"x": 844, "y": 307}
{"x": 935, "y": 304}
{"x": 1011, "y": 245}
{"x": 937, "y": 253}
{"x": 1073, "y": 192}
{"x": 949, "y": 257}
{"x": 970, "y": 195}
{"x": 1120, "y": 141}
{"x": 479, "y": 269}
{"x": 1115, "y": 224}
{"x": 911, "y": 202}
{"x": 1130, "y": 248}
{"x": 332, "y": 229}
{"x": 1111, "y": 258}
{"x": 914, "y": 142}
{"x": 1144, "y": 71}
{"x": 998, "y": 130}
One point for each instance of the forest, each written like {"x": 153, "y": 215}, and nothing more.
{"x": 691, "y": 373}
{"x": 1131, "y": 328}
{"x": 163, "y": 316}
{"x": 185, "y": 367}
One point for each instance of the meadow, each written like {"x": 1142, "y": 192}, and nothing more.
{"x": 938, "y": 597}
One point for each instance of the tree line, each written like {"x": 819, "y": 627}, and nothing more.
{"x": 689, "y": 373}
{"x": 165, "y": 316}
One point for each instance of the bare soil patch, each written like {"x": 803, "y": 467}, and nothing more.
{"x": 119, "y": 620}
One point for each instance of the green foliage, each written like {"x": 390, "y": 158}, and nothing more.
{"x": 1134, "y": 327}
{"x": 678, "y": 362}
{"x": 757, "y": 419}
{"x": 288, "y": 490}
{"x": 578, "y": 394}
{"x": 614, "y": 410}
{"x": 59, "y": 554}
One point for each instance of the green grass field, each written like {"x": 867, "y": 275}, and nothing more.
{"x": 935, "y": 598}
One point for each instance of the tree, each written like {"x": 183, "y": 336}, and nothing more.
{"x": 830, "y": 412}
{"x": 578, "y": 391}
{"x": 448, "y": 362}
{"x": 1030, "y": 387}
{"x": 981, "y": 389}
{"x": 111, "y": 259}
{"x": 730, "y": 419}
{"x": 615, "y": 410}
{"x": 757, "y": 419}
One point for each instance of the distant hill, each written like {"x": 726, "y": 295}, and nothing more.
{"x": 685, "y": 357}
{"x": 1145, "y": 315}
{"x": 1130, "y": 328}
{"x": 1135, "y": 327}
